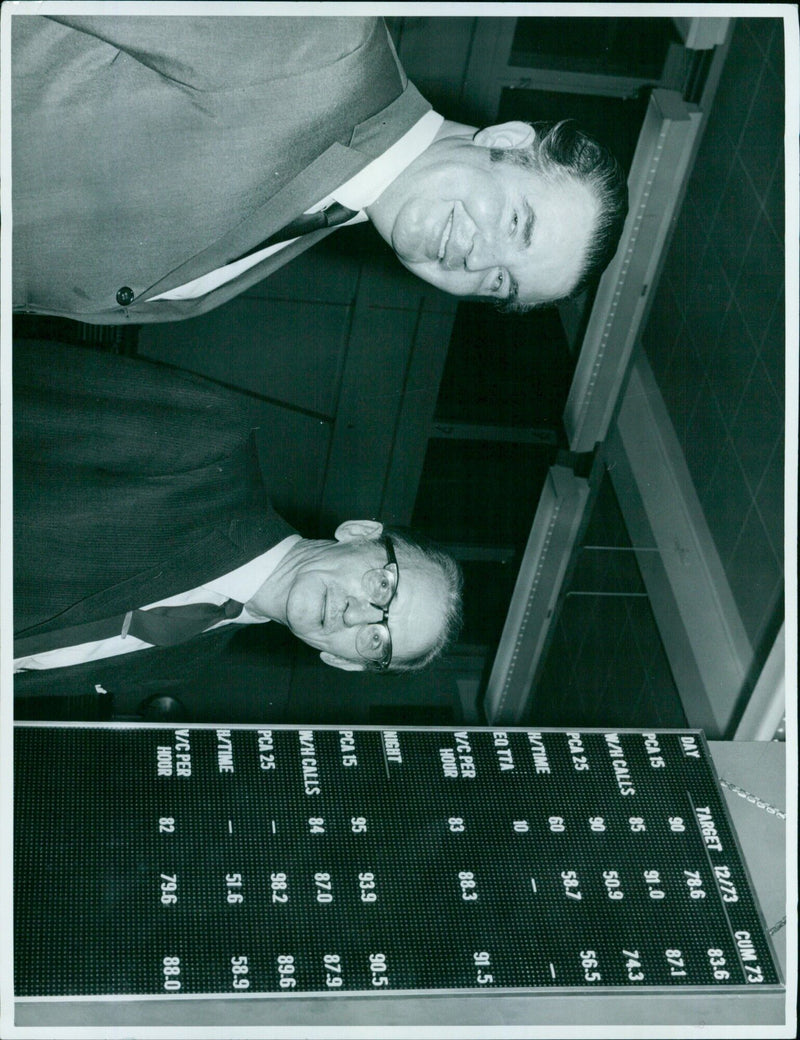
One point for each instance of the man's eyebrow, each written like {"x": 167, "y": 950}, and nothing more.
{"x": 513, "y": 291}
{"x": 530, "y": 221}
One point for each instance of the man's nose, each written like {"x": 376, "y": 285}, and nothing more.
{"x": 359, "y": 611}
{"x": 483, "y": 252}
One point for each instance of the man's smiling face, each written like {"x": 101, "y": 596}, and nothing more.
{"x": 476, "y": 227}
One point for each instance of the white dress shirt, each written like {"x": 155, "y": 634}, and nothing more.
{"x": 357, "y": 193}
{"x": 241, "y": 585}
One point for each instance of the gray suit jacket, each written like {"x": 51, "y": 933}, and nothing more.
{"x": 148, "y": 151}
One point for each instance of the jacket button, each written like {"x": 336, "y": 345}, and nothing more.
{"x": 124, "y": 296}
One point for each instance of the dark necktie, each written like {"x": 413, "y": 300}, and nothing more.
{"x": 161, "y": 626}
{"x": 166, "y": 626}
{"x": 331, "y": 216}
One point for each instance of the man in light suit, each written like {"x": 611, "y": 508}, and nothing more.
{"x": 161, "y": 164}
{"x": 136, "y": 489}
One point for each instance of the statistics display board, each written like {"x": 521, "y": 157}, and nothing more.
{"x": 157, "y": 861}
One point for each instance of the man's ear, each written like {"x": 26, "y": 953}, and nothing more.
{"x": 353, "y": 529}
{"x": 515, "y": 134}
{"x": 341, "y": 662}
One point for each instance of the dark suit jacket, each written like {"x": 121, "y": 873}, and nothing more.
{"x": 148, "y": 151}
{"x": 132, "y": 482}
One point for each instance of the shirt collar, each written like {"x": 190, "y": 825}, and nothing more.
{"x": 363, "y": 189}
{"x": 245, "y": 581}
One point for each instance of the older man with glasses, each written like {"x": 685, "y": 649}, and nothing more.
{"x": 337, "y": 597}
{"x": 144, "y": 538}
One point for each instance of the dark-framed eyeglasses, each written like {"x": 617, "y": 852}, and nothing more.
{"x": 374, "y": 641}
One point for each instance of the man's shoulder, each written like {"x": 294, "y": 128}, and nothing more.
{"x": 206, "y": 53}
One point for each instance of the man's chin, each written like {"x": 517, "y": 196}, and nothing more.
{"x": 408, "y": 254}
{"x": 411, "y": 240}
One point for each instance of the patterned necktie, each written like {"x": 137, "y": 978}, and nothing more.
{"x": 161, "y": 626}
{"x": 331, "y": 216}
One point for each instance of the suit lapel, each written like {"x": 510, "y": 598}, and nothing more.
{"x": 380, "y": 131}
{"x": 209, "y": 558}
{"x": 335, "y": 166}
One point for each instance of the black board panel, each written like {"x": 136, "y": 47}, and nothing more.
{"x": 153, "y": 860}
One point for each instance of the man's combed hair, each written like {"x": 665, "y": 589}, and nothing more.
{"x": 559, "y": 150}
{"x": 420, "y": 548}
